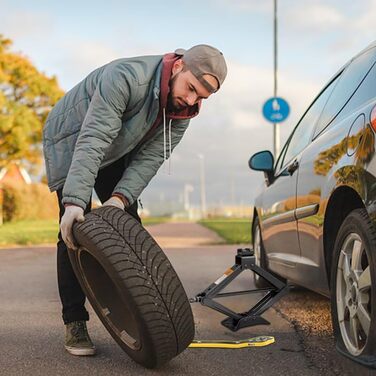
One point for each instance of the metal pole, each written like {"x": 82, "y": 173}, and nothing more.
{"x": 187, "y": 190}
{"x": 275, "y": 126}
{"x": 202, "y": 185}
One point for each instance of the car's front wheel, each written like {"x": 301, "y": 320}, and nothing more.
{"x": 353, "y": 289}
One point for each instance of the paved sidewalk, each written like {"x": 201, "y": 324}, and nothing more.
{"x": 183, "y": 235}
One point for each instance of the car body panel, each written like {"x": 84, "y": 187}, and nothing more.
{"x": 278, "y": 217}
{"x": 323, "y": 168}
{"x": 292, "y": 208}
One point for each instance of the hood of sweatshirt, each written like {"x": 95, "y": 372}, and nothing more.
{"x": 164, "y": 115}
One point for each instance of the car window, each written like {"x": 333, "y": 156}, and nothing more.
{"x": 365, "y": 93}
{"x": 350, "y": 80}
{"x": 303, "y": 131}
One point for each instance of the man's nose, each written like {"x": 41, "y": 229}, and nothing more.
{"x": 191, "y": 99}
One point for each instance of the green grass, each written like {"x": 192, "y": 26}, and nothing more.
{"x": 28, "y": 232}
{"x": 42, "y": 231}
{"x": 234, "y": 231}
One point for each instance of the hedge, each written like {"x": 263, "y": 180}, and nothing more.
{"x": 28, "y": 201}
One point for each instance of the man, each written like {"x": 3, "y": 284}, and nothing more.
{"x": 112, "y": 132}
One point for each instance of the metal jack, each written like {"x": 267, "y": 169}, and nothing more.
{"x": 244, "y": 260}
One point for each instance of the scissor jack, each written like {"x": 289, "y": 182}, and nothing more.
{"x": 244, "y": 260}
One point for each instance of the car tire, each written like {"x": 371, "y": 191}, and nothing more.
{"x": 353, "y": 289}
{"x": 259, "y": 252}
{"x": 132, "y": 286}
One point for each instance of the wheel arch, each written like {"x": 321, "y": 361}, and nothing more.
{"x": 342, "y": 201}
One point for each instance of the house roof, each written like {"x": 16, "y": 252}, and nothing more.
{"x": 23, "y": 172}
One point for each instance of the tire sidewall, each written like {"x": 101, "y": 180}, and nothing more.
{"x": 355, "y": 222}
{"x": 259, "y": 281}
{"x": 146, "y": 352}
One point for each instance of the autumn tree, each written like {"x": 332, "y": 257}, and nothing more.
{"x": 26, "y": 97}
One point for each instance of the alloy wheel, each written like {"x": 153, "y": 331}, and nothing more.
{"x": 353, "y": 294}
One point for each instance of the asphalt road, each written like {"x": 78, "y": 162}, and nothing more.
{"x": 31, "y": 330}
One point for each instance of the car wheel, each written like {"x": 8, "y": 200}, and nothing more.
{"x": 259, "y": 252}
{"x": 132, "y": 286}
{"x": 353, "y": 290}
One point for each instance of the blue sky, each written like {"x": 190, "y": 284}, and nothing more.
{"x": 69, "y": 39}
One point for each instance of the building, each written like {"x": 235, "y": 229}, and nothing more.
{"x": 14, "y": 173}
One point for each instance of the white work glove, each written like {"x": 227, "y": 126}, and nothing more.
{"x": 114, "y": 201}
{"x": 72, "y": 214}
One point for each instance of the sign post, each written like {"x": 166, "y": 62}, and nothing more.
{"x": 276, "y": 137}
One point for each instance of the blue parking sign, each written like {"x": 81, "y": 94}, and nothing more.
{"x": 276, "y": 110}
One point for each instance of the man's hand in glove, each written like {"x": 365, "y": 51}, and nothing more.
{"x": 72, "y": 214}
{"x": 118, "y": 201}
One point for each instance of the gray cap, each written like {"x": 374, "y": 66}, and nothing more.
{"x": 203, "y": 59}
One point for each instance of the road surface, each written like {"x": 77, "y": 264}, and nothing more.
{"x": 32, "y": 333}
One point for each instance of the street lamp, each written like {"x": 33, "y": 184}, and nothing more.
{"x": 202, "y": 184}
{"x": 188, "y": 188}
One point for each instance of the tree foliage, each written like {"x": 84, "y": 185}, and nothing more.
{"x": 26, "y": 97}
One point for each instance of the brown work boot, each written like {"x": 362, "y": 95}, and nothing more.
{"x": 77, "y": 340}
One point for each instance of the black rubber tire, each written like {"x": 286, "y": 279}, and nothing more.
{"x": 132, "y": 286}
{"x": 357, "y": 222}
{"x": 259, "y": 281}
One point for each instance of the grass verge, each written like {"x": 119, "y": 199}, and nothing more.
{"x": 28, "y": 232}
{"x": 42, "y": 231}
{"x": 234, "y": 231}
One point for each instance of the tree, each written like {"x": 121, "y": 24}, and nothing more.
{"x": 26, "y": 97}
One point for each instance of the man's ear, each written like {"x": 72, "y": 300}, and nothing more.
{"x": 178, "y": 66}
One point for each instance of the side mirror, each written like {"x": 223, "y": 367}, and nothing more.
{"x": 263, "y": 161}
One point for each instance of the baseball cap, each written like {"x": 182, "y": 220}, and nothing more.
{"x": 204, "y": 59}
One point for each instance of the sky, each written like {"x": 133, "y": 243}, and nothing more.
{"x": 315, "y": 38}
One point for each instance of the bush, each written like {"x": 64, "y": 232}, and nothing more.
{"x": 28, "y": 201}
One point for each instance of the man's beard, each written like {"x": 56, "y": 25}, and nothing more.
{"x": 171, "y": 107}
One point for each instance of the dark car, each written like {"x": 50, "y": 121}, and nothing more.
{"x": 315, "y": 217}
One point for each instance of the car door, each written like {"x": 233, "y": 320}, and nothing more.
{"x": 279, "y": 224}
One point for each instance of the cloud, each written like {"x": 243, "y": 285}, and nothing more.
{"x": 26, "y": 24}
{"x": 357, "y": 31}
{"x": 346, "y": 27}
{"x": 313, "y": 17}
{"x": 247, "y": 87}
{"x": 78, "y": 59}
{"x": 247, "y": 5}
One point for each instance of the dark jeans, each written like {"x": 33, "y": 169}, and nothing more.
{"x": 71, "y": 295}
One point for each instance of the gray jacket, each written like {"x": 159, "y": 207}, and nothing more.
{"x": 101, "y": 119}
